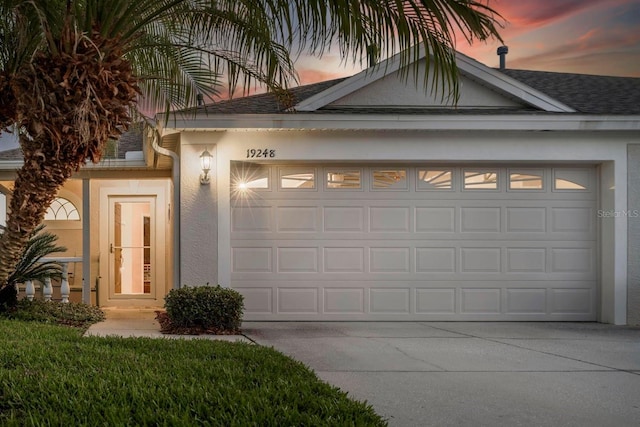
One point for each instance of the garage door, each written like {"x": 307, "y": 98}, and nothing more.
{"x": 413, "y": 242}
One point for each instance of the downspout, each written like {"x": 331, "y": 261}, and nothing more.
{"x": 176, "y": 203}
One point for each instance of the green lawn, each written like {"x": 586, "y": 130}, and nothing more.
{"x": 51, "y": 375}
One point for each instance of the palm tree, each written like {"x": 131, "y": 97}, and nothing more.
{"x": 74, "y": 73}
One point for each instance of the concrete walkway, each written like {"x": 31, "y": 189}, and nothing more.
{"x": 474, "y": 374}
{"x": 458, "y": 374}
{"x": 143, "y": 324}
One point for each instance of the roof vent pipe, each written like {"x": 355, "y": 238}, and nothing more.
{"x": 502, "y": 53}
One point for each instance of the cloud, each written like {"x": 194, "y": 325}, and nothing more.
{"x": 527, "y": 14}
{"x": 309, "y": 75}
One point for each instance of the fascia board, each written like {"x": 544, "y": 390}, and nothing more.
{"x": 503, "y": 83}
{"x": 411, "y": 122}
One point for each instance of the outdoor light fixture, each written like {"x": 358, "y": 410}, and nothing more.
{"x": 205, "y": 163}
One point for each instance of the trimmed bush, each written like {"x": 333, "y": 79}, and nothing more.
{"x": 204, "y": 309}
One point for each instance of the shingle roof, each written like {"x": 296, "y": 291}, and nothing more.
{"x": 265, "y": 103}
{"x": 14, "y": 154}
{"x": 128, "y": 141}
{"x": 587, "y": 94}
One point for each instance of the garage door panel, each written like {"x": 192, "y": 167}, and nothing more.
{"x": 297, "y": 300}
{"x": 480, "y": 219}
{"x": 404, "y": 259}
{"x": 298, "y": 260}
{"x": 416, "y": 251}
{"x": 526, "y": 301}
{"x": 526, "y": 219}
{"x": 578, "y": 220}
{"x": 390, "y": 300}
{"x": 340, "y": 219}
{"x": 519, "y": 300}
{"x": 344, "y": 300}
{"x": 436, "y": 219}
{"x": 297, "y": 219}
{"x": 251, "y": 219}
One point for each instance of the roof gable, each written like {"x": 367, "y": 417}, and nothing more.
{"x": 482, "y": 87}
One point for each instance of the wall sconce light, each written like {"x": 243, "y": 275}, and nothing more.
{"x": 205, "y": 163}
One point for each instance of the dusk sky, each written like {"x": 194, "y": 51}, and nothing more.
{"x": 575, "y": 36}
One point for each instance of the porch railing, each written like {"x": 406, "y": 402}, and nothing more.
{"x": 47, "y": 288}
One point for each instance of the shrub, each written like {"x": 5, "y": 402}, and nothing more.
{"x": 204, "y": 309}
{"x": 70, "y": 314}
{"x": 39, "y": 245}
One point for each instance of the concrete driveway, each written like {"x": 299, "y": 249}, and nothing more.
{"x": 475, "y": 374}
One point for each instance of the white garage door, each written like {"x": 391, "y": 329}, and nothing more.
{"x": 411, "y": 242}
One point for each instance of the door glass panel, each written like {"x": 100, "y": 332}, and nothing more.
{"x": 343, "y": 179}
{"x": 480, "y": 180}
{"x": 431, "y": 179}
{"x": 390, "y": 179}
{"x": 249, "y": 176}
{"x": 525, "y": 180}
{"x": 298, "y": 179}
{"x": 571, "y": 179}
{"x": 131, "y": 248}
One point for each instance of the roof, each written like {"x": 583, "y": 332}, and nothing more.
{"x": 265, "y": 103}
{"x": 128, "y": 141}
{"x": 587, "y": 94}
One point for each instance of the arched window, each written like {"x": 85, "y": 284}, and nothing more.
{"x": 62, "y": 209}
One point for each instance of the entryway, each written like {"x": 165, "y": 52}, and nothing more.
{"x": 133, "y": 242}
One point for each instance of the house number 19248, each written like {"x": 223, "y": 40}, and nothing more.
{"x": 254, "y": 153}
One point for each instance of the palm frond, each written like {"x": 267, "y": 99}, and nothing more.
{"x": 30, "y": 266}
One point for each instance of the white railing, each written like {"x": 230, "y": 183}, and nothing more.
{"x": 47, "y": 288}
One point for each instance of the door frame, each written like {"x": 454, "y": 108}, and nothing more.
{"x": 130, "y": 190}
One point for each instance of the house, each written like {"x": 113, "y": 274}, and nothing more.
{"x": 368, "y": 198}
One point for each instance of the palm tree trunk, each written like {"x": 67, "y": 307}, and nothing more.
{"x": 35, "y": 187}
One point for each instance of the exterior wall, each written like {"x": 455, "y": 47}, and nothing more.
{"x": 198, "y": 212}
{"x": 633, "y": 217}
{"x": 606, "y": 149}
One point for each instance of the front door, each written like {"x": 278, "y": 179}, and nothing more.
{"x": 134, "y": 218}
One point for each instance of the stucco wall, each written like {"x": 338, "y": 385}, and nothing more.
{"x": 633, "y": 286}
{"x": 198, "y": 214}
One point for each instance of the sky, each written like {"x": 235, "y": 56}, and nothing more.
{"x": 575, "y": 36}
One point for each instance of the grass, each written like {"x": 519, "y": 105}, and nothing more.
{"x": 51, "y": 375}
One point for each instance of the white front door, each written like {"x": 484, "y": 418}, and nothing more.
{"x": 132, "y": 248}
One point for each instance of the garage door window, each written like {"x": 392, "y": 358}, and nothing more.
{"x": 389, "y": 179}
{"x": 344, "y": 179}
{"x": 248, "y": 176}
{"x": 526, "y": 180}
{"x": 571, "y": 179}
{"x": 435, "y": 179}
{"x": 299, "y": 179}
{"x": 480, "y": 180}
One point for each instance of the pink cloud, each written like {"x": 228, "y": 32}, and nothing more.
{"x": 308, "y": 75}
{"x": 535, "y": 14}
